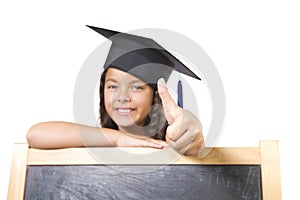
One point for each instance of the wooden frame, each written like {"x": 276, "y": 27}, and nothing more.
{"x": 267, "y": 155}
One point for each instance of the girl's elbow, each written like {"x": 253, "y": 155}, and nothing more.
{"x": 34, "y": 136}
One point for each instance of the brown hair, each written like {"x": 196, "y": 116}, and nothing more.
{"x": 155, "y": 125}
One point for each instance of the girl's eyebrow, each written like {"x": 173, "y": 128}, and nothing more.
{"x": 111, "y": 79}
{"x": 137, "y": 81}
{"x": 131, "y": 82}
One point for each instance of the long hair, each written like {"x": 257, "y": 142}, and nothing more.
{"x": 155, "y": 124}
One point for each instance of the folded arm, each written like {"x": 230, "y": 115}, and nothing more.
{"x": 50, "y": 135}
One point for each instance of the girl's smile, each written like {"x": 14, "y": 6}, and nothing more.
{"x": 124, "y": 111}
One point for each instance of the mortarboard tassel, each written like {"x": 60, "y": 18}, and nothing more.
{"x": 179, "y": 90}
{"x": 179, "y": 94}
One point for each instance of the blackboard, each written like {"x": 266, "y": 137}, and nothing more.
{"x": 209, "y": 182}
{"x": 145, "y": 173}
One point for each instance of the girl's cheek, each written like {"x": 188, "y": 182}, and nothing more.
{"x": 142, "y": 99}
{"x": 108, "y": 99}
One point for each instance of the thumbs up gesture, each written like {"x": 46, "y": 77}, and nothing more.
{"x": 184, "y": 132}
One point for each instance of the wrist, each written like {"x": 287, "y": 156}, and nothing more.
{"x": 112, "y": 136}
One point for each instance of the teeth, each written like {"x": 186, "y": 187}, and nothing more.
{"x": 123, "y": 110}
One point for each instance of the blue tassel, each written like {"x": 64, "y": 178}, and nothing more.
{"x": 179, "y": 94}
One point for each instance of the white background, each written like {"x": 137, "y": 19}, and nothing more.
{"x": 255, "y": 46}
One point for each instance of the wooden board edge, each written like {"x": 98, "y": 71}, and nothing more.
{"x": 85, "y": 156}
{"x": 270, "y": 170}
{"x": 18, "y": 170}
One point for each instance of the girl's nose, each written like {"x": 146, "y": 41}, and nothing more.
{"x": 123, "y": 96}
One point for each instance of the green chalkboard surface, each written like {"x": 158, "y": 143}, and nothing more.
{"x": 86, "y": 182}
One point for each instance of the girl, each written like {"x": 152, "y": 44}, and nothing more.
{"x": 136, "y": 108}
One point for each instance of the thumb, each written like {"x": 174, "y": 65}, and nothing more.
{"x": 171, "y": 109}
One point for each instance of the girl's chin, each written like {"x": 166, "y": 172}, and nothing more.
{"x": 126, "y": 123}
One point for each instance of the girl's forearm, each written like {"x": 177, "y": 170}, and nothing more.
{"x": 64, "y": 134}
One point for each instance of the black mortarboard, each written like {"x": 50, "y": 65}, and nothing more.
{"x": 142, "y": 57}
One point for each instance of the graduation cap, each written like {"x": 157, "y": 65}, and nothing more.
{"x": 143, "y": 58}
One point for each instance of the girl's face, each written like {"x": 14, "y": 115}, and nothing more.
{"x": 127, "y": 99}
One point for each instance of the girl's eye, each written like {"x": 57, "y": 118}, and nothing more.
{"x": 137, "y": 87}
{"x": 111, "y": 87}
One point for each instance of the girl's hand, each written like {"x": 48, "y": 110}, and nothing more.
{"x": 131, "y": 140}
{"x": 184, "y": 132}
